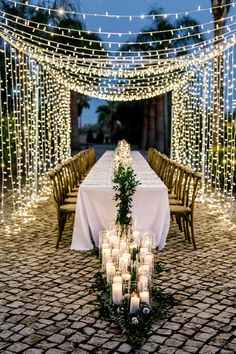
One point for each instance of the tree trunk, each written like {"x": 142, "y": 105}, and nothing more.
{"x": 75, "y": 143}
{"x": 160, "y": 122}
{"x": 220, "y": 14}
{"x": 151, "y": 124}
{"x": 143, "y": 144}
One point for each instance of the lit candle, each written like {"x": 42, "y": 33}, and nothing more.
{"x": 117, "y": 279}
{"x": 144, "y": 296}
{"x": 110, "y": 270}
{"x": 143, "y": 250}
{"x": 123, "y": 246}
{"x": 126, "y": 276}
{"x": 143, "y": 282}
{"x": 114, "y": 241}
{"x": 134, "y": 303}
{"x": 123, "y": 264}
{"x": 106, "y": 253}
{"x": 144, "y": 270}
{"x": 105, "y": 245}
{"x": 148, "y": 259}
{"x": 115, "y": 254}
{"x": 117, "y": 293}
{"x": 148, "y": 244}
{"x": 137, "y": 237}
{"x": 127, "y": 258}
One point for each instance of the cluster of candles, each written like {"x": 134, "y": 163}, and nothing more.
{"x": 128, "y": 263}
{"x": 123, "y": 154}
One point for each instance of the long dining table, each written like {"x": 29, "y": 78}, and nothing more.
{"x": 96, "y": 209}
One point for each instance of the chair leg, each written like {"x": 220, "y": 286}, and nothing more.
{"x": 192, "y": 232}
{"x": 185, "y": 227}
{"x": 61, "y": 224}
{"x": 178, "y": 221}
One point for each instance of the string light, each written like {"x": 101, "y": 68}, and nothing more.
{"x": 41, "y": 72}
{"x": 119, "y": 16}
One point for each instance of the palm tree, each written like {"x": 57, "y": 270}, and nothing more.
{"x": 220, "y": 10}
{"x": 107, "y": 117}
{"x": 162, "y": 35}
{"x": 68, "y": 21}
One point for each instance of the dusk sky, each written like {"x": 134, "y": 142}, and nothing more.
{"x": 134, "y": 7}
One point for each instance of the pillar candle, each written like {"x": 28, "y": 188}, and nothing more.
{"x": 123, "y": 246}
{"x": 134, "y": 303}
{"x": 144, "y": 296}
{"x": 117, "y": 293}
{"x": 148, "y": 259}
{"x": 110, "y": 270}
{"x": 117, "y": 279}
{"x": 143, "y": 282}
{"x": 126, "y": 276}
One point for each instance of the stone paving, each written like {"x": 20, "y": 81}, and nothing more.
{"x": 46, "y": 306}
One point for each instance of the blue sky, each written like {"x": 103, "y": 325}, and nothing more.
{"x": 134, "y": 7}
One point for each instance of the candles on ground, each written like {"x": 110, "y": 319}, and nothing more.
{"x": 127, "y": 258}
{"x": 137, "y": 237}
{"x": 144, "y": 296}
{"x": 126, "y": 276}
{"x": 110, "y": 271}
{"x": 143, "y": 250}
{"x": 134, "y": 303}
{"x": 148, "y": 259}
{"x": 117, "y": 279}
{"x": 106, "y": 255}
{"x": 123, "y": 246}
{"x": 143, "y": 282}
{"x": 144, "y": 270}
{"x": 117, "y": 293}
{"x": 114, "y": 241}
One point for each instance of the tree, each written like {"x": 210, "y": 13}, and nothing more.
{"x": 220, "y": 10}
{"x": 161, "y": 36}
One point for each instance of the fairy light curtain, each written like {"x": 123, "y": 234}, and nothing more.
{"x": 43, "y": 63}
{"x": 34, "y": 127}
{"x": 204, "y": 127}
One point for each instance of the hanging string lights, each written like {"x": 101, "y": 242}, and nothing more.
{"x": 43, "y": 62}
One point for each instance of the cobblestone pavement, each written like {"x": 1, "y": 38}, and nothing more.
{"x": 46, "y": 306}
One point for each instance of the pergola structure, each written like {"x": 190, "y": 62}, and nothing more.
{"x": 38, "y": 74}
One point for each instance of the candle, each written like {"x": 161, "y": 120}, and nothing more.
{"x": 126, "y": 276}
{"x": 105, "y": 245}
{"x": 127, "y": 258}
{"x": 144, "y": 296}
{"x": 137, "y": 237}
{"x": 106, "y": 252}
{"x": 144, "y": 270}
{"x": 123, "y": 264}
{"x": 117, "y": 293}
{"x": 148, "y": 259}
{"x": 110, "y": 270}
{"x": 115, "y": 254}
{"x": 143, "y": 282}
{"x": 134, "y": 303}
{"x": 148, "y": 244}
{"x": 123, "y": 246}
{"x": 114, "y": 241}
{"x": 143, "y": 250}
{"x": 117, "y": 279}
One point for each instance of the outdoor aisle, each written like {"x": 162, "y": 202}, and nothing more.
{"x": 45, "y": 301}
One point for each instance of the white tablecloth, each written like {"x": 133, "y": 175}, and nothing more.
{"x": 96, "y": 210}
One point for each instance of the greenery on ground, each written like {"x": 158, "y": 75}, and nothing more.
{"x": 136, "y": 326}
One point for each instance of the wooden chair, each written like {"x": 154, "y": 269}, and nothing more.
{"x": 59, "y": 193}
{"x": 185, "y": 212}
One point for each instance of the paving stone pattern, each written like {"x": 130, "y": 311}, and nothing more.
{"x": 46, "y": 306}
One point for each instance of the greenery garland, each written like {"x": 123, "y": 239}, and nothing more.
{"x": 125, "y": 184}
{"x": 136, "y": 326}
